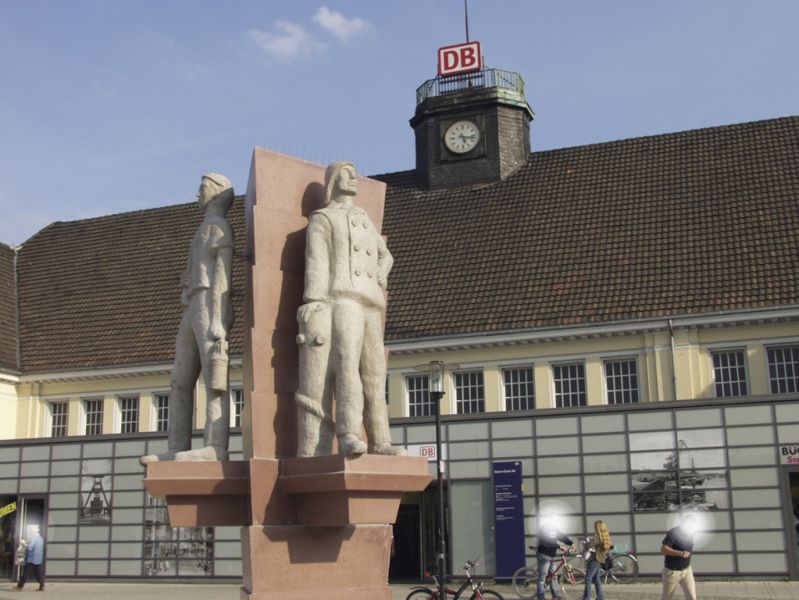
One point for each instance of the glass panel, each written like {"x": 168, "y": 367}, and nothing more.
{"x": 787, "y": 434}
{"x": 512, "y": 428}
{"x": 741, "y": 478}
{"x": 747, "y": 415}
{"x": 649, "y": 420}
{"x": 559, "y": 485}
{"x": 744, "y": 436}
{"x": 763, "y": 498}
{"x": 605, "y": 463}
{"x": 700, "y": 438}
{"x": 512, "y": 448}
{"x": 593, "y": 444}
{"x": 556, "y": 426}
{"x": 762, "y": 563}
{"x": 758, "y": 519}
{"x": 95, "y": 496}
{"x": 706, "y": 417}
{"x": 603, "y": 424}
{"x": 550, "y": 446}
{"x": 558, "y": 465}
{"x": 472, "y": 533}
{"x": 651, "y": 461}
{"x": 788, "y": 412}
{"x": 701, "y": 459}
{"x": 463, "y": 431}
{"x": 652, "y": 441}
{"x": 605, "y": 483}
{"x": 607, "y": 503}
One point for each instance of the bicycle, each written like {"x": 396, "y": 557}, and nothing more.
{"x": 525, "y": 579}
{"x": 478, "y": 593}
{"x": 620, "y": 568}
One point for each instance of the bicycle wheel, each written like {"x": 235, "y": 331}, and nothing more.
{"x": 481, "y": 594}
{"x": 577, "y": 567}
{"x": 577, "y": 576}
{"x": 525, "y": 580}
{"x": 425, "y": 594}
{"x": 624, "y": 569}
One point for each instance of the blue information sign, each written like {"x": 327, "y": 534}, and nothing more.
{"x": 508, "y": 518}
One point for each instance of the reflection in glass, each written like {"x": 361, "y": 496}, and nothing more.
{"x": 175, "y": 550}
{"x": 701, "y": 459}
{"x": 653, "y": 440}
{"x": 649, "y": 461}
{"x": 700, "y": 438}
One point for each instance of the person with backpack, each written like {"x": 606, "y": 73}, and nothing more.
{"x": 598, "y": 551}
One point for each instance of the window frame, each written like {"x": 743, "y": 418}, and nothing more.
{"x": 606, "y": 388}
{"x": 768, "y": 349}
{"x": 459, "y": 402}
{"x": 425, "y": 390}
{"x": 521, "y": 367}
{"x": 712, "y": 353}
{"x": 85, "y": 413}
{"x": 51, "y": 418}
{"x": 553, "y": 382}
{"x": 120, "y": 399}
{"x": 234, "y": 389}
{"x": 155, "y": 398}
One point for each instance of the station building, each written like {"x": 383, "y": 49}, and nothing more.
{"x": 620, "y": 321}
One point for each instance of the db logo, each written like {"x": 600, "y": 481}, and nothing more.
{"x": 427, "y": 451}
{"x": 461, "y": 58}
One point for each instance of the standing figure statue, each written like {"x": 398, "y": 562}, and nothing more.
{"x": 202, "y": 339}
{"x": 341, "y": 327}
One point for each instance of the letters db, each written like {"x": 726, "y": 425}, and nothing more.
{"x": 461, "y": 58}
{"x": 789, "y": 455}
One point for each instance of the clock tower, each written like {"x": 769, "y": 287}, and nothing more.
{"x": 471, "y": 128}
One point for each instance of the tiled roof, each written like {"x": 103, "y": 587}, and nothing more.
{"x": 677, "y": 224}
{"x": 106, "y": 291}
{"x": 8, "y": 310}
{"x": 684, "y": 223}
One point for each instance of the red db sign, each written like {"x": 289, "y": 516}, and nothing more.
{"x": 461, "y": 58}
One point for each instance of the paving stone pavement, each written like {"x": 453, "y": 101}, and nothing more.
{"x": 650, "y": 590}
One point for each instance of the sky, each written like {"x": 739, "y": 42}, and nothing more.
{"x": 110, "y": 106}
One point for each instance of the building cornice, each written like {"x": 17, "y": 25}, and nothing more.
{"x": 572, "y": 332}
{"x": 105, "y": 373}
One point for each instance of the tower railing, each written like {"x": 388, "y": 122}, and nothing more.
{"x": 487, "y": 78}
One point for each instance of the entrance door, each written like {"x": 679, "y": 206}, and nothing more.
{"x": 8, "y": 535}
{"x": 416, "y": 536}
{"x": 792, "y": 519}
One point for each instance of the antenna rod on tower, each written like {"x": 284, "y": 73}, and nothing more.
{"x": 466, "y": 16}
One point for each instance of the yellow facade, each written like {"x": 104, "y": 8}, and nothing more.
{"x": 663, "y": 358}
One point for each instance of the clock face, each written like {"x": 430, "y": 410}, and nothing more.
{"x": 461, "y": 136}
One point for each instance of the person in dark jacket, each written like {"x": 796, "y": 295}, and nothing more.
{"x": 34, "y": 558}
{"x": 550, "y": 540}
{"x": 678, "y": 546}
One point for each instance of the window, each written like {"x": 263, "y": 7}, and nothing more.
{"x": 161, "y": 406}
{"x": 419, "y": 402}
{"x": 729, "y": 373}
{"x": 569, "y": 382}
{"x": 129, "y": 414}
{"x": 59, "y": 418}
{"x": 237, "y": 398}
{"x": 519, "y": 388}
{"x": 469, "y": 392}
{"x": 94, "y": 416}
{"x": 621, "y": 381}
{"x": 783, "y": 369}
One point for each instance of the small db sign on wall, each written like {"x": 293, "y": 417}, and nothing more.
{"x": 461, "y": 58}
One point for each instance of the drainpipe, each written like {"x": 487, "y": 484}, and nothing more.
{"x": 673, "y": 360}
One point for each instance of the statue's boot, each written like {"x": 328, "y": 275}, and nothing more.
{"x": 351, "y": 445}
{"x": 389, "y": 450}
{"x": 204, "y": 453}
{"x": 150, "y": 458}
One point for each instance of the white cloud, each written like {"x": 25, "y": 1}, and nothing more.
{"x": 339, "y": 25}
{"x": 286, "y": 42}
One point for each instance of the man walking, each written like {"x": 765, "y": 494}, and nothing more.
{"x": 678, "y": 545}
{"x": 34, "y": 556}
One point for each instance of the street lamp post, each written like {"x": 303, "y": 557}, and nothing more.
{"x": 436, "y": 393}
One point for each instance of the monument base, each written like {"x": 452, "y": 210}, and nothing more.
{"x": 298, "y": 562}
{"x": 202, "y": 493}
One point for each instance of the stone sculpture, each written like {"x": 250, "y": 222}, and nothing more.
{"x": 202, "y": 339}
{"x": 341, "y": 327}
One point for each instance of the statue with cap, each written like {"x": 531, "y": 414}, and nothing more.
{"x": 202, "y": 339}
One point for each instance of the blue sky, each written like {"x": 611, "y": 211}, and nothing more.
{"x": 109, "y": 106}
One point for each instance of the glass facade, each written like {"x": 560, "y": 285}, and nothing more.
{"x": 635, "y": 467}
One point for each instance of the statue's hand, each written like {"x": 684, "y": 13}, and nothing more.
{"x": 382, "y": 280}
{"x": 305, "y": 311}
